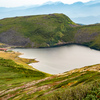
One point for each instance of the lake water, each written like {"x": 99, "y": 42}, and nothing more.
{"x": 61, "y": 59}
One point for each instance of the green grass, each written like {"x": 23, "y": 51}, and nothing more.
{"x": 68, "y": 86}
{"x": 78, "y": 86}
{"x": 12, "y": 74}
{"x": 43, "y": 30}
{"x": 56, "y": 79}
{"x": 82, "y": 78}
{"x": 89, "y": 35}
{"x": 49, "y": 30}
{"x": 94, "y": 94}
{"x": 79, "y": 92}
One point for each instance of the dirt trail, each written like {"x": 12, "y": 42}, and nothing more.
{"x": 23, "y": 86}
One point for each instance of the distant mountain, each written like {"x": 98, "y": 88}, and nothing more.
{"x": 93, "y": 2}
{"x": 76, "y": 10}
{"x": 87, "y": 20}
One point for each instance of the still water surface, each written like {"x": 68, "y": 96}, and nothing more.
{"x": 61, "y": 59}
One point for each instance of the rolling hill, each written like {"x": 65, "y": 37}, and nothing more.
{"x": 36, "y": 31}
{"x": 46, "y": 31}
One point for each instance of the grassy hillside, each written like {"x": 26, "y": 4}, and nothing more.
{"x": 88, "y": 35}
{"x": 47, "y": 30}
{"x": 12, "y": 74}
{"x": 36, "y": 31}
{"x": 19, "y": 83}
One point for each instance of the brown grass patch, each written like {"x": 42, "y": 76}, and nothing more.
{"x": 15, "y": 57}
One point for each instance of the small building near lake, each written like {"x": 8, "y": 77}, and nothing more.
{"x": 3, "y": 49}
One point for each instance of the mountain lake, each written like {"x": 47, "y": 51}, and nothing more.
{"x": 61, "y": 59}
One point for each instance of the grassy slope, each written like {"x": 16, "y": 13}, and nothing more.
{"x": 47, "y": 30}
{"x": 18, "y": 83}
{"x": 12, "y": 74}
{"x": 21, "y": 82}
{"x": 88, "y": 35}
{"x": 43, "y": 30}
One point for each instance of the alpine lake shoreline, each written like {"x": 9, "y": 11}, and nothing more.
{"x": 27, "y": 61}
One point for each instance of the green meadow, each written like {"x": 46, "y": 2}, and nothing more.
{"x": 20, "y": 83}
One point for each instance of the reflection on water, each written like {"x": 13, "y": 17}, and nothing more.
{"x": 60, "y": 59}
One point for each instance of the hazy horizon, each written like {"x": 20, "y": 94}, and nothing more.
{"x": 20, "y": 3}
{"x": 80, "y": 11}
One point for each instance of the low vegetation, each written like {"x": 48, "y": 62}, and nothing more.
{"x": 12, "y": 74}
{"x": 36, "y": 31}
{"x": 81, "y": 92}
{"x": 19, "y": 83}
{"x": 46, "y": 31}
{"x": 15, "y": 57}
{"x": 2, "y": 45}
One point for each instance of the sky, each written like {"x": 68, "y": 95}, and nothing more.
{"x": 19, "y": 3}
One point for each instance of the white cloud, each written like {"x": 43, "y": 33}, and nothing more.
{"x": 16, "y": 3}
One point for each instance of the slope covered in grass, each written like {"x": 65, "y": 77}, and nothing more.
{"x": 88, "y": 35}
{"x": 36, "y": 31}
{"x": 12, "y": 74}
{"x": 47, "y": 30}
{"x": 18, "y": 83}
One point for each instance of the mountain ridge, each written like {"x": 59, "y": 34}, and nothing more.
{"x": 74, "y": 10}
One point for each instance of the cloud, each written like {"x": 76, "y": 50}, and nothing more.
{"x": 17, "y": 3}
